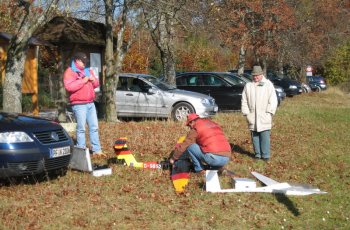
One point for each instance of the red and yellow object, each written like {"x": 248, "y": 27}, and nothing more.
{"x": 123, "y": 153}
{"x": 180, "y": 177}
{"x": 180, "y": 181}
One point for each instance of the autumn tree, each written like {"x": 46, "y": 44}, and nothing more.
{"x": 251, "y": 25}
{"x": 117, "y": 45}
{"x": 28, "y": 18}
{"x": 317, "y": 32}
{"x": 138, "y": 57}
{"x": 162, "y": 18}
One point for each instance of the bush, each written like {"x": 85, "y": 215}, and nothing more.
{"x": 27, "y": 104}
{"x": 345, "y": 86}
{"x": 45, "y": 101}
{"x": 337, "y": 67}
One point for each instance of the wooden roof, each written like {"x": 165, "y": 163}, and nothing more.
{"x": 32, "y": 41}
{"x": 72, "y": 30}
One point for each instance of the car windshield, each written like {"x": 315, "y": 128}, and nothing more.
{"x": 233, "y": 79}
{"x": 246, "y": 76}
{"x": 159, "y": 83}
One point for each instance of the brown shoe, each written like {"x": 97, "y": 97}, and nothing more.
{"x": 99, "y": 155}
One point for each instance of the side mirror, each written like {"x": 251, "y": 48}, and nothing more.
{"x": 152, "y": 91}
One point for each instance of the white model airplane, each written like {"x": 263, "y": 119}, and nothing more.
{"x": 248, "y": 185}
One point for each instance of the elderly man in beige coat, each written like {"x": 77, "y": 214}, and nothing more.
{"x": 259, "y": 104}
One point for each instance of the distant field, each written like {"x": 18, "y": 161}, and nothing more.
{"x": 310, "y": 144}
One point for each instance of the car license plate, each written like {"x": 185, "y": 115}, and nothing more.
{"x": 59, "y": 152}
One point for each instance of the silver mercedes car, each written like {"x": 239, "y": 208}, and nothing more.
{"x": 142, "y": 95}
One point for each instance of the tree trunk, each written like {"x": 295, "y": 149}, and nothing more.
{"x": 161, "y": 22}
{"x": 241, "y": 61}
{"x": 264, "y": 65}
{"x": 29, "y": 22}
{"x": 61, "y": 102}
{"x": 12, "y": 91}
{"x": 109, "y": 87}
{"x": 166, "y": 46}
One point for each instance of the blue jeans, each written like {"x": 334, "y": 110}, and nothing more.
{"x": 86, "y": 113}
{"x": 261, "y": 144}
{"x": 199, "y": 159}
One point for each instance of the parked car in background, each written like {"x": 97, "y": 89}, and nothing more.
{"x": 306, "y": 88}
{"x": 290, "y": 87}
{"x": 316, "y": 83}
{"x": 31, "y": 146}
{"x": 142, "y": 95}
{"x": 281, "y": 95}
{"x": 223, "y": 86}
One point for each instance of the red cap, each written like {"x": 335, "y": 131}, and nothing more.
{"x": 191, "y": 117}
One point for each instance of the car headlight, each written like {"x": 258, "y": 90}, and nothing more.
{"x": 15, "y": 137}
{"x": 279, "y": 90}
{"x": 208, "y": 101}
{"x": 293, "y": 87}
{"x": 205, "y": 101}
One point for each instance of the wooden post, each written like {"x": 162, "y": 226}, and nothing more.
{"x": 3, "y": 56}
{"x": 30, "y": 77}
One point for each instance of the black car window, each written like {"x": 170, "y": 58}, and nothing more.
{"x": 214, "y": 81}
{"x": 201, "y": 81}
{"x": 181, "y": 81}
{"x": 138, "y": 85}
{"x": 233, "y": 79}
{"x": 123, "y": 84}
{"x": 192, "y": 80}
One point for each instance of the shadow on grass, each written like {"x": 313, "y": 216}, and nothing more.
{"x": 33, "y": 179}
{"x": 240, "y": 150}
{"x": 283, "y": 199}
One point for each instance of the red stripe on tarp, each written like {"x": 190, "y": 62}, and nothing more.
{"x": 180, "y": 176}
{"x": 125, "y": 152}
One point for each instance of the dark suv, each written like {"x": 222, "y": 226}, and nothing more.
{"x": 224, "y": 87}
{"x": 316, "y": 83}
{"x": 291, "y": 87}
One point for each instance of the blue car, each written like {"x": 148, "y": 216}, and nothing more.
{"x": 316, "y": 83}
{"x": 31, "y": 146}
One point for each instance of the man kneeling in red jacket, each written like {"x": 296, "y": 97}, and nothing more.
{"x": 205, "y": 145}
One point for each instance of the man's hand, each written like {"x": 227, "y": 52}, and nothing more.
{"x": 92, "y": 78}
{"x": 171, "y": 160}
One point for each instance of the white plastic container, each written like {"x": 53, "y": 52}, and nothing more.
{"x": 243, "y": 183}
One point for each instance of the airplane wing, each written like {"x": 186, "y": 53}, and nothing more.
{"x": 264, "y": 179}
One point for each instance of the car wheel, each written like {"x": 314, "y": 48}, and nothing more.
{"x": 318, "y": 89}
{"x": 181, "y": 110}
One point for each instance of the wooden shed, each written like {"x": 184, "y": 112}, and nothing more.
{"x": 71, "y": 35}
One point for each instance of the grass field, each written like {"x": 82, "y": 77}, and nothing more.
{"x": 310, "y": 144}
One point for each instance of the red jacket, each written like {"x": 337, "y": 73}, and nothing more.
{"x": 209, "y": 136}
{"x": 81, "y": 92}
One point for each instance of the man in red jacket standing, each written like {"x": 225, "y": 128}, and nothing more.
{"x": 205, "y": 144}
{"x": 80, "y": 83}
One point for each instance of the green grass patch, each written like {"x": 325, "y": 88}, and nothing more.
{"x": 310, "y": 144}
